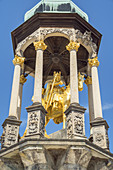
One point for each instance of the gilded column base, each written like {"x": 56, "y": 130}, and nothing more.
{"x": 75, "y": 121}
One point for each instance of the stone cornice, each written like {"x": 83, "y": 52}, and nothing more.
{"x": 72, "y": 34}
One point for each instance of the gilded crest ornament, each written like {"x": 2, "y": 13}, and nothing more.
{"x": 40, "y": 45}
{"x": 93, "y": 62}
{"x": 18, "y": 60}
{"x": 88, "y": 80}
{"x": 80, "y": 81}
{"x": 73, "y": 46}
{"x": 22, "y": 79}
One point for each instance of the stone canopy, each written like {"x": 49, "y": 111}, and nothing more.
{"x": 56, "y": 6}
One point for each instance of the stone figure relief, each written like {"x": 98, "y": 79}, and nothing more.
{"x": 99, "y": 137}
{"x": 78, "y": 123}
{"x": 42, "y": 123}
{"x": 69, "y": 126}
{"x": 33, "y": 123}
{"x": 11, "y": 134}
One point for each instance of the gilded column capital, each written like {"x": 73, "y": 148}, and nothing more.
{"x": 93, "y": 62}
{"x": 18, "y": 60}
{"x": 22, "y": 79}
{"x": 88, "y": 80}
{"x": 73, "y": 46}
{"x": 40, "y": 45}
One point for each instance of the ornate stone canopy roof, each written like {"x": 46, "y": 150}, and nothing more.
{"x": 55, "y": 6}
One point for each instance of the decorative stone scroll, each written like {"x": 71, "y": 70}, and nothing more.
{"x": 72, "y": 34}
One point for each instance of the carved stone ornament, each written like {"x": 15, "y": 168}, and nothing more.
{"x": 93, "y": 62}
{"x": 99, "y": 137}
{"x": 3, "y": 137}
{"x": 12, "y": 135}
{"x": 22, "y": 79}
{"x": 69, "y": 126}
{"x": 42, "y": 125}
{"x": 40, "y": 45}
{"x": 88, "y": 80}
{"x": 84, "y": 158}
{"x": 78, "y": 123}
{"x": 80, "y": 157}
{"x": 73, "y": 46}
{"x": 33, "y": 123}
{"x": 72, "y": 34}
{"x": 86, "y": 39}
{"x": 18, "y": 60}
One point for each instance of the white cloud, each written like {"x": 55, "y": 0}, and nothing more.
{"x": 107, "y": 106}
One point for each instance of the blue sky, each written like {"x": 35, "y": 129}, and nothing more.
{"x": 100, "y": 14}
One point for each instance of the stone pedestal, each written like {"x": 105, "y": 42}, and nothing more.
{"x": 75, "y": 121}
{"x": 36, "y": 120}
{"x": 100, "y": 132}
{"x": 10, "y": 134}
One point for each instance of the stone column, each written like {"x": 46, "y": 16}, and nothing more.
{"x": 18, "y": 61}
{"x": 94, "y": 63}
{"x": 73, "y": 48}
{"x": 36, "y": 112}
{"x": 39, "y": 47}
{"x": 11, "y": 124}
{"x": 99, "y": 125}
{"x": 88, "y": 82}
{"x": 75, "y": 113}
{"x": 22, "y": 81}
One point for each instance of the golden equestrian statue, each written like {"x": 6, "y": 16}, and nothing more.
{"x": 56, "y": 99}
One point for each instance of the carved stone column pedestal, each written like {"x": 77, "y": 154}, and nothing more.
{"x": 100, "y": 132}
{"x": 75, "y": 121}
{"x": 36, "y": 120}
{"x": 10, "y": 134}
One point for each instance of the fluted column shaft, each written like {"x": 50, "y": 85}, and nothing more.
{"x": 39, "y": 47}
{"x": 94, "y": 63}
{"x": 73, "y": 48}
{"x": 18, "y": 61}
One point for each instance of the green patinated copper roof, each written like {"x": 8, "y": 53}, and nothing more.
{"x": 55, "y": 6}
